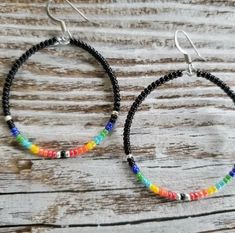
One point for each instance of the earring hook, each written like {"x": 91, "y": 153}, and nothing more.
{"x": 187, "y": 56}
{"x": 62, "y": 22}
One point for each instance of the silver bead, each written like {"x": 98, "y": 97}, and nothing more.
{"x": 58, "y": 156}
{"x": 67, "y": 154}
{"x": 129, "y": 156}
{"x": 115, "y": 113}
{"x": 8, "y": 118}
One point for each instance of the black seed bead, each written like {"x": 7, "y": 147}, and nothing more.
{"x": 153, "y": 85}
{"x": 166, "y": 78}
{"x": 11, "y": 124}
{"x": 131, "y": 162}
{"x": 198, "y": 73}
{"x": 174, "y": 74}
{"x": 207, "y": 75}
{"x": 63, "y": 154}
{"x": 41, "y": 45}
{"x": 182, "y": 196}
{"x": 157, "y": 83}
{"x": 113, "y": 120}
{"x": 203, "y": 74}
{"x": 146, "y": 91}
{"x": 143, "y": 94}
{"x": 161, "y": 80}
{"x": 179, "y": 73}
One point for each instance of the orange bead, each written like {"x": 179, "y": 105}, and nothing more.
{"x": 41, "y": 152}
{"x": 45, "y": 154}
{"x": 163, "y": 192}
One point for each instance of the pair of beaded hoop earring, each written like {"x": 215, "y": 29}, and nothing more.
{"x": 67, "y": 38}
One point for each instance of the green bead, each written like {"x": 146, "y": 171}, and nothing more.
{"x": 139, "y": 176}
{"x": 228, "y": 177}
{"x": 20, "y": 138}
{"x": 226, "y": 180}
{"x": 102, "y": 134}
{"x": 105, "y": 132}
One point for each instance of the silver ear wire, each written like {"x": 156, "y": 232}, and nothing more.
{"x": 187, "y": 56}
{"x": 64, "y": 28}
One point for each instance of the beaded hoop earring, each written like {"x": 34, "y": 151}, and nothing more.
{"x": 162, "y": 192}
{"x": 26, "y": 143}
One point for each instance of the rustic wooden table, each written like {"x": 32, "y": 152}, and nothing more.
{"x": 183, "y": 135}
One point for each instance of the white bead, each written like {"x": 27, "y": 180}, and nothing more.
{"x": 58, "y": 155}
{"x": 115, "y": 113}
{"x": 178, "y": 197}
{"x": 67, "y": 154}
{"x": 8, "y": 118}
{"x": 187, "y": 197}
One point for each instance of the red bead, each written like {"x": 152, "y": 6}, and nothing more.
{"x": 75, "y": 151}
{"x": 71, "y": 153}
{"x": 200, "y": 194}
{"x": 54, "y": 154}
{"x": 192, "y": 196}
{"x": 174, "y": 196}
{"x": 50, "y": 153}
{"x": 196, "y": 195}
{"x": 170, "y": 195}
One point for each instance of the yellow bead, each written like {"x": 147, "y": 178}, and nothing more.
{"x": 34, "y": 149}
{"x": 212, "y": 190}
{"x": 90, "y": 145}
{"x": 154, "y": 188}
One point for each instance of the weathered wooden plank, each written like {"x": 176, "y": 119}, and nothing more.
{"x": 183, "y": 131}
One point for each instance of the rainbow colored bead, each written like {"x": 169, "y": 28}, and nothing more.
{"x": 35, "y": 149}
{"x": 170, "y": 195}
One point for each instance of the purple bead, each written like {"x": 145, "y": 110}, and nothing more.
{"x": 135, "y": 169}
{"x": 109, "y": 126}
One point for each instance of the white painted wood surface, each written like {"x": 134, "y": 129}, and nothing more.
{"x": 182, "y": 137}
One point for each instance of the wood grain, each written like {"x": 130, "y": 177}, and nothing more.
{"x": 182, "y": 135}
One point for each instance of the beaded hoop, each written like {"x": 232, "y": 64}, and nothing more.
{"x": 22, "y": 140}
{"x": 127, "y": 148}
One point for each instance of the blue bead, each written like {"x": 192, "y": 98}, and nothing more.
{"x": 233, "y": 170}
{"x": 109, "y": 126}
{"x": 135, "y": 169}
{"x": 232, "y": 173}
{"x": 15, "y": 133}
{"x": 14, "y": 129}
